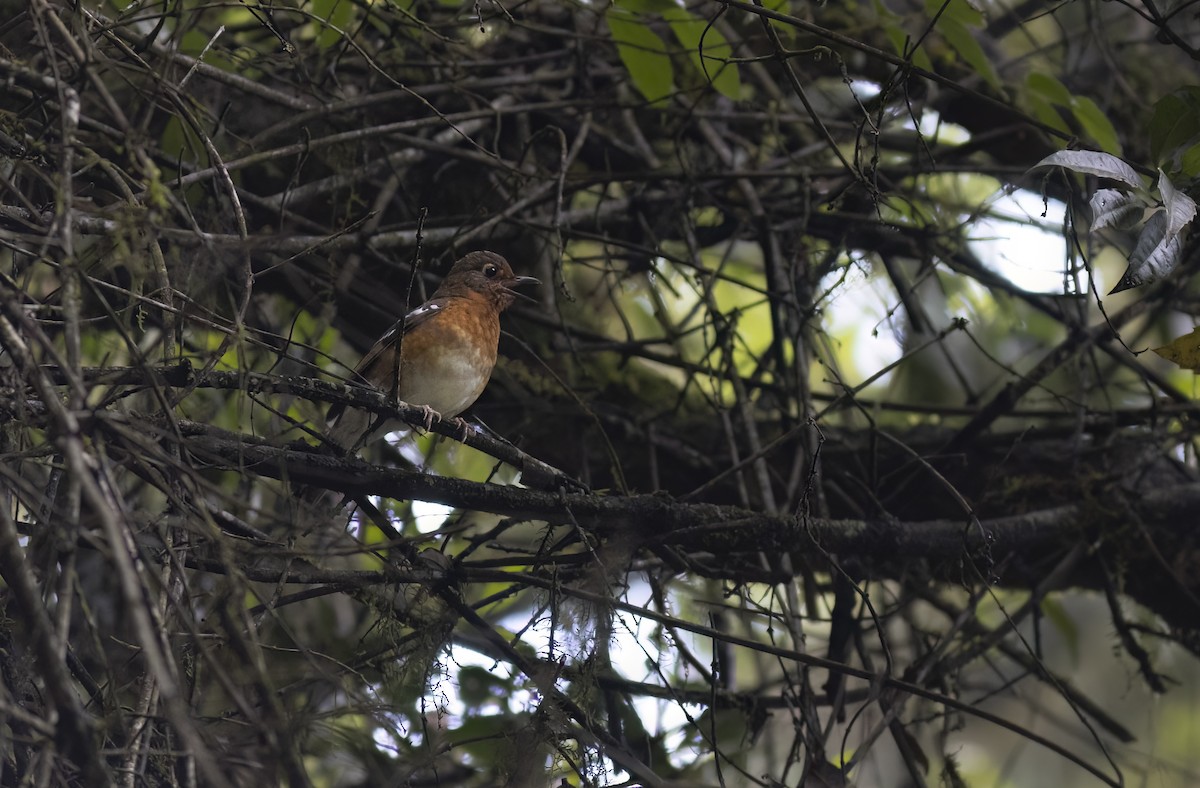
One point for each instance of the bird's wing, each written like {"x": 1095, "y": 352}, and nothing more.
{"x": 338, "y": 424}
{"x": 410, "y": 321}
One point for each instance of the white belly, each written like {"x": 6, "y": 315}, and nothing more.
{"x": 450, "y": 389}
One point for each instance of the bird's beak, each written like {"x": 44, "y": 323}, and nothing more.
{"x": 517, "y": 281}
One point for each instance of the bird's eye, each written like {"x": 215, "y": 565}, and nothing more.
{"x": 490, "y": 271}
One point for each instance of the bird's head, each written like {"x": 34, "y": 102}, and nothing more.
{"x": 486, "y": 273}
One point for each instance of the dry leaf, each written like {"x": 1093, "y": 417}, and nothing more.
{"x": 1184, "y": 351}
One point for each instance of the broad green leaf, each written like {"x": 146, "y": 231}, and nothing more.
{"x": 1175, "y": 123}
{"x": 1184, "y": 350}
{"x": 643, "y": 53}
{"x": 1093, "y": 163}
{"x": 963, "y": 42}
{"x": 484, "y": 736}
{"x": 1089, "y": 116}
{"x": 336, "y": 14}
{"x": 1189, "y": 161}
{"x": 477, "y": 686}
{"x": 708, "y": 50}
{"x": 959, "y": 11}
{"x": 1096, "y": 124}
{"x": 780, "y": 6}
{"x": 647, "y": 6}
{"x": 1049, "y": 87}
{"x": 1111, "y": 208}
{"x": 731, "y": 726}
{"x": 193, "y": 42}
{"x": 899, "y": 39}
{"x": 1045, "y": 111}
{"x": 179, "y": 141}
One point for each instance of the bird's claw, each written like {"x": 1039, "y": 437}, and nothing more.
{"x": 429, "y": 414}
{"x": 462, "y": 424}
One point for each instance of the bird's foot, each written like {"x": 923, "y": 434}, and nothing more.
{"x": 424, "y": 422}
{"x": 465, "y": 428}
{"x": 429, "y": 414}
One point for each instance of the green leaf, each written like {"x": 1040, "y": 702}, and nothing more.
{"x": 1175, "y": 123}
{"x": 1189, "y": 161}
{"x": 1096, "y": 124}
{"x": 781, "y": 7}
{"x": 647, "y": 6}
{"x": 959, "y": 11}
{"x": 1050, "y": 88}
{"x": 483, "y": 736}
{"x": 179, "y": 140}
{"x": 899, "y": 40}
{"x": 963, "y": 42}
{"x": 643, "y": 53}
{"x": 1044, "y": 111}
{"x": 708, "y": 50}
{"x": 477, "y": 686}
{"x": 336, "y": 15}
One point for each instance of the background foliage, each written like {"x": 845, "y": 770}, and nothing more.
{"x": 820, "y": 457}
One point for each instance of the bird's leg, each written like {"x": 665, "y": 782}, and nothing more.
{"x": 429, "y": 414}
{"x": 462, "y": 424}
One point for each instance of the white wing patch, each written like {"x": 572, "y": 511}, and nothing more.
{"x": 398, "y": 327}
{"x": 423, "y": 309}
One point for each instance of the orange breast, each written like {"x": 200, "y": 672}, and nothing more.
{"x": 448, "y": 360}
